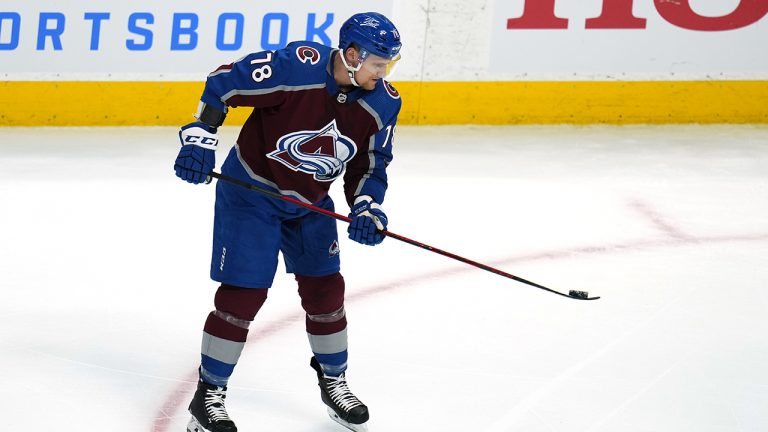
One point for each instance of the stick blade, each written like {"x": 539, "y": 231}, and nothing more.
{"x": 581, "y": 295}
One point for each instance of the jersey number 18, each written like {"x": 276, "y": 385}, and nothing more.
{"x": 264, "y": 72}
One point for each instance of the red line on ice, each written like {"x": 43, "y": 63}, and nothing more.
{"x": 182, "y": 393}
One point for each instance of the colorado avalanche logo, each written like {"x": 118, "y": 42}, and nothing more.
{"x": 334, "y": 249}
{"x": 391, "y": 90}
{"x": 322, "y": 153}
{"x": 307, "y": 54}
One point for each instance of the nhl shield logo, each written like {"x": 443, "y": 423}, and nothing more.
{"x": 322, "y": 153}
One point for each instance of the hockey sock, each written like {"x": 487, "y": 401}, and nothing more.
{"x": 323, "y": 300}
{"x": 226, "y": 329}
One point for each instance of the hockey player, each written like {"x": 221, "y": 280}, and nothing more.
{"x": 318, "y": 114}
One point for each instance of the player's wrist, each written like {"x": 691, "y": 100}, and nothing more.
{"x": 362, "y": 198}
{"x": 210, "y": 115}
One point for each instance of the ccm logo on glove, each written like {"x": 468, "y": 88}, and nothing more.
{"x": 206, "y": 140}
{"x": 197, "y": 155}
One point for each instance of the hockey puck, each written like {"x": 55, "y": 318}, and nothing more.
{"x": 578, "y": 294}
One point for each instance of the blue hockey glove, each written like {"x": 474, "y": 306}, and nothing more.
{"x": 197, "y": 156}
{"x": 367, "y": 221}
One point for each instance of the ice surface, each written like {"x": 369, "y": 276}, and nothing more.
{"x": 104, "y": 278}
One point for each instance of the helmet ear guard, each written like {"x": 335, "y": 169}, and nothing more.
{"x": 360, "y": 58}
{"x": 351, "y": 70}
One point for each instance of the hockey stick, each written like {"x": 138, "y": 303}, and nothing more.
{"x": 577, "y": 295}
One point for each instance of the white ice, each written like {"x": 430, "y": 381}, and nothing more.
{"x": 104, "y": 278}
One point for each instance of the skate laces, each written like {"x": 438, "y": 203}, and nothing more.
{"x": 340, "y": 393}
{"x": 214, "y": 405}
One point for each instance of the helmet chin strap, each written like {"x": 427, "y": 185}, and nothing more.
{"x": 350, "y": 70}
{"x": 351, "y": 74}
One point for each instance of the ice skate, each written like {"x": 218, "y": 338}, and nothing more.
{"x": 208, "y": 411}
{"x": 343, "y": 406}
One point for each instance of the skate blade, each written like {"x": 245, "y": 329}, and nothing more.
{"x": 351, "y": 426}
{"x": 195, "y": 426}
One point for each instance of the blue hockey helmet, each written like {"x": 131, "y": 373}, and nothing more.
{"x": 373, "y": 33}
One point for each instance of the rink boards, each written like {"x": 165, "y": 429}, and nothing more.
{"x": 121, "y": 103}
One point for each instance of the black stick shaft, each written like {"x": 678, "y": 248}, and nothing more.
{"x": 404, "y": 239}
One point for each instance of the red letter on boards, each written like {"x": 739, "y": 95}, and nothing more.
{"x": 538, "y": 14}
{"x": 617, "y": 14}
{"x": 680, "y": 13}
